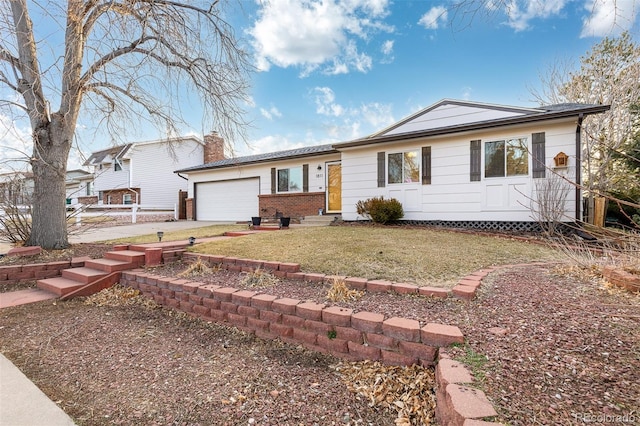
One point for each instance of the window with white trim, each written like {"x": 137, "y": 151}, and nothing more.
{"x": 403, "y": 167}
{"x": 290, "y": 180}
{"x": 508, "y": 157}
{"x": 126, "y": 199}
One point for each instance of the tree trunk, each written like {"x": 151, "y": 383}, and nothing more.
{"x": 49, "y": 165}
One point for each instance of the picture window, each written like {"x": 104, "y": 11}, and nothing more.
{"x": 403, "y": 167}
{"x": 506, "y": 158}
{"x": 290, "y": 180}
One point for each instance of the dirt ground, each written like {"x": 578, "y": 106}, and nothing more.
{"x": 548, "y": 347}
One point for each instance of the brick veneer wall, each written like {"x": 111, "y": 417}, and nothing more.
{"x": 117, "y": 194}
{"x": 190, "y": 213}
{"x": 298, "y": 204}
{"x": 88, "y": 199}
{"x": 213, "y": 148}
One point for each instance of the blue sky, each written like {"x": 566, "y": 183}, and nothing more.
{"x": 333, "y": 71}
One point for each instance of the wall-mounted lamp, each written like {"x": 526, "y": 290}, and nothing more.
{"x": 319, "y": 167}
{"x": 160, "y": 234}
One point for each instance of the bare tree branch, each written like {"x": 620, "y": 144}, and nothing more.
{"x": 121, "y": 62}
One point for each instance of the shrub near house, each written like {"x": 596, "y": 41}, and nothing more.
{"x": 380, "y": 210}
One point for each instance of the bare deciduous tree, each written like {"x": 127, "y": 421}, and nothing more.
{"x": 121, "y": 62}
{"x": 609, "y": 74}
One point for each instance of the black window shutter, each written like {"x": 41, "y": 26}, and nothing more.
{"x": 475, "y": 161}
{"x": 381, "y": 170}
{"x": 426, "y": 165}
{"x": 305, "y": 178}
{"x": 273, "y": 180}
{"x": 538, "y": 154}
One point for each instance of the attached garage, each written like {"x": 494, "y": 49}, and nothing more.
{"x": 235, "y": 199}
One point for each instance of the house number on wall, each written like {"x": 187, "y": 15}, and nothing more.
{"x": 319, "y": 175}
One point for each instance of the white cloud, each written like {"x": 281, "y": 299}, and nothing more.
{"x": 313, "y": 34}
{"x": 609, "y": 17}
{"x": 351, "y": 121}
{"x": 325, "y": 102}
{"x": 387, "y": 47}
{"x": 466, "y": 93}
{"x": 387, "y": 52}
{"x": 270, "y": 113}
{"x": 377, "y": 115}
{"x": 520, "y": 13}
{"x": 434, "y": 18}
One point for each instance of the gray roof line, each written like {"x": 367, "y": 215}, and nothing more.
{"x": 548, "y": 112}
{"x": 306, "y": 151}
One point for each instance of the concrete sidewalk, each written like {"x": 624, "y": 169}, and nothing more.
{"x": 23, "y": 404}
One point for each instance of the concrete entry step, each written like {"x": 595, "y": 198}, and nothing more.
{"x": 320, "y": 220}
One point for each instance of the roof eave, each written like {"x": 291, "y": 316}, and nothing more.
{"x": 258, "y": 161}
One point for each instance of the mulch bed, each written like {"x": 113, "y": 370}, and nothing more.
{"x": 547, "y": 347}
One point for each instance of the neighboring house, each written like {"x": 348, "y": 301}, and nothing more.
{"x": 455, "y": 161}
{"x": 16, "y": 188}
{"x": 79, "y": 184}
{"x": 142, "y": 172}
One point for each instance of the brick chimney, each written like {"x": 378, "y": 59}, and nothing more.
{"x": 213, "y": 148}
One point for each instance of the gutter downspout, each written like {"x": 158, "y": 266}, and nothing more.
{"x": 579, "y": 168}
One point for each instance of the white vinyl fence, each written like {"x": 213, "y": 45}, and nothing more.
{"x": 134, "y": 210}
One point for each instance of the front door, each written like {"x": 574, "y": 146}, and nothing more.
{"x": 334, "y": 187}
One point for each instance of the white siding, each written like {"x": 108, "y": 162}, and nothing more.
{"x": 451, "y": 115}
{"x": 152, "y": 166}
{"x": 77, "y": 189}
{"x": 108, "y": 178}
{"x": 451, "y": 195}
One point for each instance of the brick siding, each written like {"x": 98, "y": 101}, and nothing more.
{"x": 291, "y": 205}
{"x": 117, "y": 195}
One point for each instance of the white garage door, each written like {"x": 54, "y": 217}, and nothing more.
{"x": 227, "y": 200}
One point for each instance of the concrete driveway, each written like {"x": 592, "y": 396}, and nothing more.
{"x": 109, "y": 233}
{"x": 102, "y": 234}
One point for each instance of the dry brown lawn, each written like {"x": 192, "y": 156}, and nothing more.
{"x": 414, "y": 255}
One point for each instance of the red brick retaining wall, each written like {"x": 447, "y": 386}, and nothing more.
{"x": 13, "y": 274}
{"x": 327, "y": 329}
{"x": 459, "y": 404}
{"x": 331, "y": 329}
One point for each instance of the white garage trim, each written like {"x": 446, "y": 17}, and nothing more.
{"x": 235, "y": 199}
